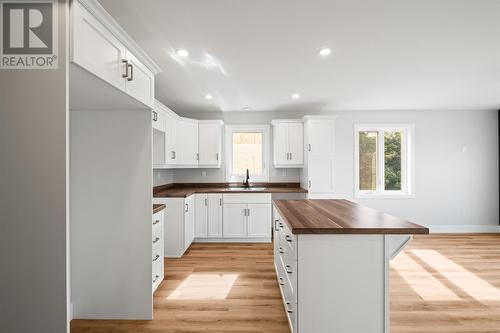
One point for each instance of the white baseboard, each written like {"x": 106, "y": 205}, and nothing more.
{"x": 232, "y": 240}
{"x": 463, "y": 228}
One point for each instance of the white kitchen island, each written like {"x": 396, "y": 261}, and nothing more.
{"x": 332, "y": 262}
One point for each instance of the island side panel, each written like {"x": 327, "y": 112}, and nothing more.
{"x": 342, "y": 283}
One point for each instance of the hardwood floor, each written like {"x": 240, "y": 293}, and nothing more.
{"x": 440, "y": 283}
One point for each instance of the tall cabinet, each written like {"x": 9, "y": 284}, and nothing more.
{"x": 317, "y": 173}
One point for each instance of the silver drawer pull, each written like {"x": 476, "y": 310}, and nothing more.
{"x": 156, "y": 278}
{"x": 288, "y": 307}
{"x": 156, "y": 258}
{"x": 281, "y": 225}
{"x": 276, "y": 225}
{"x": 288, "y": 238}
{"x": 156, "y": 222}
{"x": 156, "y": 240}
{"x": 281, "y": 281}
{"x": 281, "y": 250}
{"x": 288, "y": 269}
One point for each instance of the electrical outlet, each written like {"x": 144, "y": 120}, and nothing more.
{"x": 203, "y": 173}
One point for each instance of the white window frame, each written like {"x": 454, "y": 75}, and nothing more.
{"x": 407, "y": 161}
{"x": 229, "y": 130}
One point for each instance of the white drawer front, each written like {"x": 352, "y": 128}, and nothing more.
{"x": 245, "y": 198}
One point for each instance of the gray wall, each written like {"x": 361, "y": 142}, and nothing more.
{"x": 33, "y": 183}
{"x": 456, "y": 164}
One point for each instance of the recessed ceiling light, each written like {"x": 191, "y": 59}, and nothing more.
{"x": 325, "y": 52}
{"x": 208, "y": 96}
{"x": 295, "y": 96}
{"x": 247, "y": 108}
{"x": 182, "y": 53}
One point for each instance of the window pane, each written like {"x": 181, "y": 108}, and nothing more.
{"x": 392, "y": 161}
{"x": 247, "y": 153}
{"x": 368, "y": 160}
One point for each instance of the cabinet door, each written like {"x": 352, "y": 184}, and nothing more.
{"x": 320, "y": 171}
{"x": 281, "y": 151}
{"x": 170, "y": 139}
{"x": 96, "y": 49}
{"x": 209, "y": 144}
{"x": 188, "y": 222}
{"x": 187, "y": 143}
{"x": 201, "y": 215}
{"x": 320, "y": 138}
{"x": 214, "y": 216}
{"x": 259, "y": 221}
{"x": 296, "y": 143}
{"x": 235, "y": 221}
{"x": 140, "y": 81}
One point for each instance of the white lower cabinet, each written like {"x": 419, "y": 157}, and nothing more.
{"x": 258, "y": 221}
{"x": 157, "y": 249}
{"x": 247, "y": 216}
{"x": 208, "y": 215}
{"x": 179, "y": 228}
{"x": 235, "y": 221}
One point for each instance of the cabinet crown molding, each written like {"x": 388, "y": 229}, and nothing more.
{"x": 96, "y": 9}
{"x": 278, "y": 121}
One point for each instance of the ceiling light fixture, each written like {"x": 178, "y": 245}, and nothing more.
{"x": 247, "y": 108}
{"x": 208, "y": 96}
{"x": 295, "y": 96}
{"x": 325, "y": 52}
{"x": 182, "y": 53}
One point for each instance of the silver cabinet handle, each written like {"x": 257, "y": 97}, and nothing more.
{"x": 245, "y": 212}
{"x": 309, "y": 184}
{"x": 155, "y": 116}
{"x": 131, "y": 72}
{"x": 287, "y": 156}
{"x": 288, "y": 238}
{"x": 217, "y": 156}
{"x": 206, "y": 202}
{"x": 197, "y": 156}
{"x": 288, "y": 269}
{"x": 276, "y": 225}
{"x": 156, "y": 240}
{"x": 287, "y": 307}
{"x": 281, "y": 250}
{"x": 186, "y": 208}
{"x": 125, "y": 61}
{"x": 248, "y": 211}
{"x": 220, "y": 201}
{"x": 281, "y": 281}
{"x": 156, "y": 258}
{"x": 281, "y": 225}
{"x": 309, "y": 147}
{"x": 156, "y": 278}
{"x": 156, "y": 222}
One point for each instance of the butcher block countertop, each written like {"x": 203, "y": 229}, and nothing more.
{"x": 185, "y": 190}
{"x": 158, "y": 208}
{"x": 339, "y": 216}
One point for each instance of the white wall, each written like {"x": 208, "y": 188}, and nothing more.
{"x": 33, "y": 225}
{"x": 456, "y": 164}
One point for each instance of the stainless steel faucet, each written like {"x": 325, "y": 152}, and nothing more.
{"x": 246, "y": 181}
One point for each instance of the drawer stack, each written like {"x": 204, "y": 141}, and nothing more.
{"x": 285, "y": 261}
{"x": 157, "y": 250}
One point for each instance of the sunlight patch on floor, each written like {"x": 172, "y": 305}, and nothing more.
{"x": 473, "y": 285}
{"x": 204, "y": 286}
{"x": 421, "y": 281}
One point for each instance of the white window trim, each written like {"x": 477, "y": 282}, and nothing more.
{"x": 229, "y": 130}
{"x": 407, "y": 168}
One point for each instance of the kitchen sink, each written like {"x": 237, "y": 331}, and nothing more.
{"x": 244, "y": 188}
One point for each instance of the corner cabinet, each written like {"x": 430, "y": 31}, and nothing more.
{"x": 101, "y": 48}
{"x": 180, "y": 142}
{"x": 288, "y": 143}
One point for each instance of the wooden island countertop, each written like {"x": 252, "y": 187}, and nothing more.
{"x": 340, "y": 216}
{"x": 158, "y": 208}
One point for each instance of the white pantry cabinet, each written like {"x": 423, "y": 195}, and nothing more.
{"x": 208, "y": 215}
{"x": 179, "y": 224}
{"x": 247, "y": 216}
{"x": 210, "y": 143}
{"x": 317, "y": 174}
{"x": 99, "y": 47}
{"x": 288, "y": 143}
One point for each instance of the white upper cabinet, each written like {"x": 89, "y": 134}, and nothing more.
{"x": 209, "y": 143}
{"x": 159, "y": 120}
{"x": 140, "y": 81}
{"x": 187, "y": 142}
{"x": 288, "y": 143}
{"x": 101, "y": 47}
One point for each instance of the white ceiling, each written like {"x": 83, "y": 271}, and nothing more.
{"x": 400, "y": 54}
